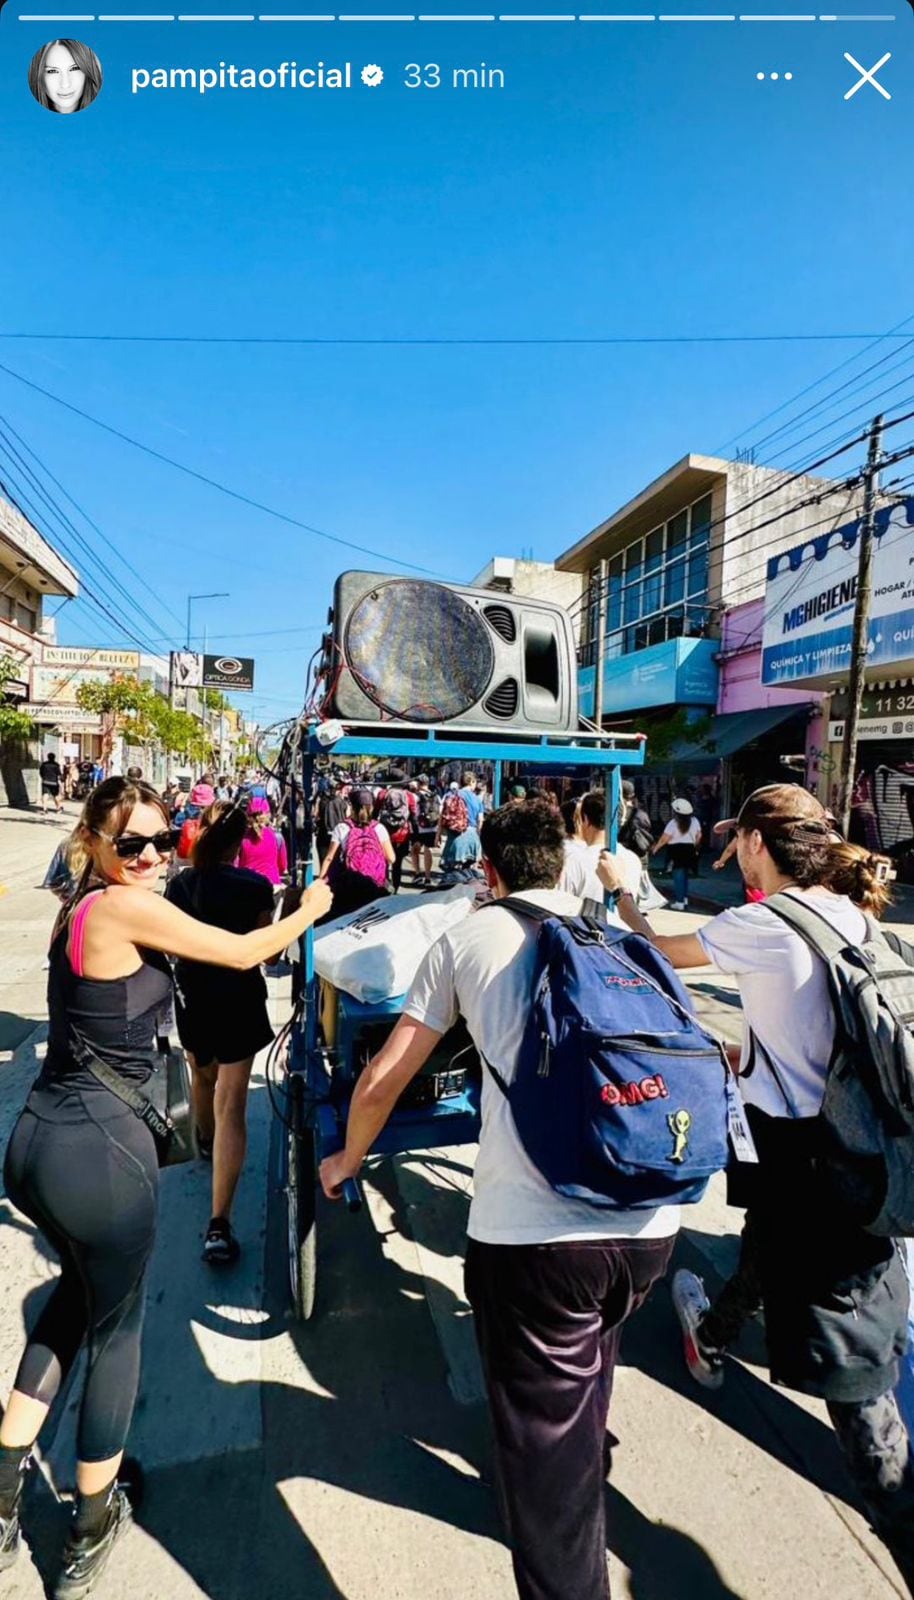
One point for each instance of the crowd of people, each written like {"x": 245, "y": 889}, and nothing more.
{"x": 551, "y": 1277}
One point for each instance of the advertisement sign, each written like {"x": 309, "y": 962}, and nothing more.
{"x": 62, "y": 716}
{"x": 100, "y": 661}
{"x": 186, "y": 668}
{"x": 677, "y": 672}
{"x": 810, "y": 596}
{"x": 228, "y": 672}
{"x": 876, "y": 728}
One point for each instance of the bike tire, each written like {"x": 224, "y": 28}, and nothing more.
{"x": 301, "y": 1196}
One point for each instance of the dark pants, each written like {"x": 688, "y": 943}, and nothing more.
{"x": 91, "y": 1187}
{"x": 548, "y": 1323}
{"x": 401, "y": 851}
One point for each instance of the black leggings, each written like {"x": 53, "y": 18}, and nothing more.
{"x": 91, "y": 1187}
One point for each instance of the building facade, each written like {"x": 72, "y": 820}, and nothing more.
{"x": 660, "y": 575}
{"x": 31, "y": 571}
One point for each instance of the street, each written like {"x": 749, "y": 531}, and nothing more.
{"x": 348, "y": 1459}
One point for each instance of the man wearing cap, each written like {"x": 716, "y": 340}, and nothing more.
{"x": 835, "y": 1297}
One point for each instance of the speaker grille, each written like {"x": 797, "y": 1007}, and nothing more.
{"x": 502, "y": 702}
{"x": 419, "y": 651}
{"x": 501, "y": 618}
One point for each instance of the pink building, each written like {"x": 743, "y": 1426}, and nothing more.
{"x": 768, "y": 724}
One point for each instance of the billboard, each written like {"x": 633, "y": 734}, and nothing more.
{"x": 228, "y": 672}
{"x": 186, "y": 669}
{"x": 810, "y": 596}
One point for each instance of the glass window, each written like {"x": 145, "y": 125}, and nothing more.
{"x": 674, "y": 582}
{"x": 698, "y": 571}
{"x": 677, "y": 531}
{"x": 701, "y": 519}
{"x": 614, "y": 596}
{"x": 631, "y": 607}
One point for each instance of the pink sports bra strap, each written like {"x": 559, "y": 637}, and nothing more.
{"x": 77, "y": 936}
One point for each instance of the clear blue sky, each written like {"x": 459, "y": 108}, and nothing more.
{"x": 628, "y": 180}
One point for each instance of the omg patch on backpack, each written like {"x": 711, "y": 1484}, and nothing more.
{"x": 619, "y": 1095}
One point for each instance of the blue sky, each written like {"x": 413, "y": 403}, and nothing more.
{"x": 628, "y": 180}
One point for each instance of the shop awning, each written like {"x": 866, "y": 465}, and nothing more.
{"x": 733, "y": 732}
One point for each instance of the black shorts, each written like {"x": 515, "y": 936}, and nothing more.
{"x": 223, "y": 1033}
{"x": 51, "y": 788}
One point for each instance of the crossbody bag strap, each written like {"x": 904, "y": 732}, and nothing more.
{"x": 161, "y": 1127}
{"x": 757, "y": 1050}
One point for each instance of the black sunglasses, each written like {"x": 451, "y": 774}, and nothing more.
{"x": 129, "y": 845}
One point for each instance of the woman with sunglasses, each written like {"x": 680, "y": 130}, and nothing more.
{"x": 84, "y": 1168}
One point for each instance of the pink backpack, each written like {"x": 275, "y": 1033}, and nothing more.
{"x": 362, "y": 853}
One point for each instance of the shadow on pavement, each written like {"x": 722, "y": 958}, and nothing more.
{"x": 662, "y": 1561}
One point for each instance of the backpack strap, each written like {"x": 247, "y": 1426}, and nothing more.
{"x": 812, "y": 927}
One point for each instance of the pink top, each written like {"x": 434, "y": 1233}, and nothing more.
{"x": 77, "y": 937}
{"x": 266, "y": 855}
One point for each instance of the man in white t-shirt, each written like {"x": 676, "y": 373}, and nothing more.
{"x": 835, "y": 1297}
{"x": 579, "y": 874}
{"x": 550, "y": 1280}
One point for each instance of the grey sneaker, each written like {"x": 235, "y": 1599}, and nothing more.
{"x": 690, "y": 1302}
{"x": 84, "y": 1560}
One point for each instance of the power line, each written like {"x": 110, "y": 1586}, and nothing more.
{"x": 213, "y": 483}
{"x": 802, "y": 393}
{"x": 853, "y": 385}
{"x": 86, "y": 518}
{"x": 435, "y": 342}
{"x": 65, "y": 521}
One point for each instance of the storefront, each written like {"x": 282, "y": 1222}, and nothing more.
{"x": 809, "y": 610}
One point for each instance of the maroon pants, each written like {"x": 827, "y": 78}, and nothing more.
{"x": 548, "y": 1323}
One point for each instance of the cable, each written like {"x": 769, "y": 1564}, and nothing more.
{"x": 802, "y": 393}
{"x": 86, "y": 518}
{"x": 597, "y": 341}
{"x": 213, "y": 483}
{"x": 831, "y": 400}
{"x": 66, "y": 521}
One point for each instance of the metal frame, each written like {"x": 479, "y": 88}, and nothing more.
{"x": 452, "y": 1121}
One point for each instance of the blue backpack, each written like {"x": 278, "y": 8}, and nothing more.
{"x": 619, "y": 1096}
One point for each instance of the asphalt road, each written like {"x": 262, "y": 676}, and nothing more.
{"x": 350, "y": 1457}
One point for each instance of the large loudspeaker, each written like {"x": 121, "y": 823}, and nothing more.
{"x": 433, "y": 652}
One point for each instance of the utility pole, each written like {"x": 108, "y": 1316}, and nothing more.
{"x": 600, "y": 661}
{"x": 862, "y": 606}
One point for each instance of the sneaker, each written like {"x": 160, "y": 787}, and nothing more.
{"x": 9, "y": 1539}
{"x": 9, "y": 1525}
{"x": 677, "y": 905}
{"x": 85, "y": 1559}
{"x": 204, "y": 1146}
{"x": 690, "y": 1302}
{"x": 220, "y": 1247}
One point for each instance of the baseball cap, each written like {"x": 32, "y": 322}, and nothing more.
{"x": 782, "y": 808}
{"x": 518, "y": 792}
{"x": 683, "y": 808}
{"x": 628, "y": 789}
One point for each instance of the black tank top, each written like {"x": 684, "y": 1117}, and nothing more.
{"x": 112, "y": 1018}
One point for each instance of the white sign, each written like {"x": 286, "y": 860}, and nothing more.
{"x": 876, "y": 728}
{"x": 54, "y": 655}
{"x": 810, "y": 596}
{"x": 62, "y": 716}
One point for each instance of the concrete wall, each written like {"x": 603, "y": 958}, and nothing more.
{"x": 743, "y": 546}
{"x": 540, "y": 580}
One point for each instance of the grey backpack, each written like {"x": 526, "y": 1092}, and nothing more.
{"x": 867, "y": 1115}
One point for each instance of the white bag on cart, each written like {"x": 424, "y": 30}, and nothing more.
{"x": 374, "y": 954}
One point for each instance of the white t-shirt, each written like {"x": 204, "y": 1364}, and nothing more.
{"x": 483, "y": 969}
{"x": 341, "y": 833}
{"x": 673, "y": 834}
{"x": 579, "y": 875}
{"x": 784, "y": 991}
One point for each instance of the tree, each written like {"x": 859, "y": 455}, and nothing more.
{"x": 15, "y": 726}
{"x": 144, "y": 716}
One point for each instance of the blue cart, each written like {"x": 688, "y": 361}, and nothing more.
{"x": 320, "y": 1066}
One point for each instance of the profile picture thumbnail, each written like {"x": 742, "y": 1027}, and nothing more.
{"x": 65, "y": 75}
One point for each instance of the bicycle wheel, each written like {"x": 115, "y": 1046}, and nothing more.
{"x": 301, "y": 1180}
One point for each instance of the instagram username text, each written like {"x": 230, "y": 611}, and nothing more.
{"x": 207, "y": 80}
